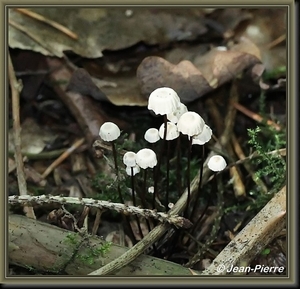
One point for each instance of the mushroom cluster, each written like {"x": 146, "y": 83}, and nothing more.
{"x": 178, "y": 122}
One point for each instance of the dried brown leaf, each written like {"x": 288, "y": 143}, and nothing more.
{"x": 193, "y": 80}
{"x": 102, "y": 28}
{"x": 87, "y": 111}
{"x": 34, "y": 138}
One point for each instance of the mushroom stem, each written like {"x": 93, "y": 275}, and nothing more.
{"x": 144, "y": 184}
{"x": 199, "y": 185}
{"x": 157, "y": 170}
{"x": 143, "y": 202}
{"x": 117, "y": 170}
{"x": 178, "y": 166}
{"x": 134, "y": 203}
{"x": 119, "y": 191}
{"x": 188, "y": 177}
{"x": 168, "y": 174}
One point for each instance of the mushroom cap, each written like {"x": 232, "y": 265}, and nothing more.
{"x": 172, "y": 131}
{"x": 146, "y": 158}
{"x": 133, "y": 170}
{"x": 151, "y": 135}
{"x": 216, "y": 163}
{"x": 163, "y": 100}
{"x": 190, "y": 123}
{"x": 151, "y": 190}
{"x": 129, "y": 159}
{"x": 109, "y": 131}
{"x": 175, "y": 115}
{"x": 170, "y": 205}
{"x": 203, "y": 137}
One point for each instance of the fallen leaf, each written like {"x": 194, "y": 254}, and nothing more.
{"x": 33, "y": 137}
{"x": 99, "y": 29}
{"x": 87, "y": 112}
{"x": 267, "y": 29}
{"x": 121, "y": 90}
{"x": 81, "y": 82}
{"x": 193, "y": 80}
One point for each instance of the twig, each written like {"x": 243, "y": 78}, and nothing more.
{"x": 281, "y": 152}
{"x": 239, "y": 151}
{"x": 253, "y": 238}
{"x": 32, "y": 36}
{"x": 147, "y": 213}
{"x": 42, "y": 155}
{"x": 59, "y": 160}
{"x": 235, "y": 174}
{"x": 155, "y": 233}
{"x": 97, "y": 221}
{"x": 16, "y": 87}
{"x": 147, "y": 241}
{"x": 255, "y": 116}
{"x": 52, "y": 23}
{"x": 215, "y": 115}
{"x": 275, "y": 42}
{"x": 216, "y": 226}
{"x": 99, "y": 145}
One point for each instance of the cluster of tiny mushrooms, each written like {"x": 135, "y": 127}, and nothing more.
{"x": 177, "y": 120}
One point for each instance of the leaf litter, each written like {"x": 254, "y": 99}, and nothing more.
{"x": 197, "y": 52}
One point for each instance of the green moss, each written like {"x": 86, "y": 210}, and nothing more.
{"x": 72, "y": 239}
{"x": 92, "y": 253}
{"x": 83, "y": 250}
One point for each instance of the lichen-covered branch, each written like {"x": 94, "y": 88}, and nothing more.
{"x": 253, "y": 238}
{"x": 48, "y": 199}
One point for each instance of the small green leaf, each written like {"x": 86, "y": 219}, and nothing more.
{"x": 266, "y": 251}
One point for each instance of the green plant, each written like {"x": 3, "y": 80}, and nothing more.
{"x": 265, "y": 252}
{"x": 270, "y": 165}
{"x": 106, "y": 187}
{"x": 92, "y": 253}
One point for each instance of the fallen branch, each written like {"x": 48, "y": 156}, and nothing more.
{"x": 43, "y": 247}
{"x": 255, "y": 116}
{"x": 48, "y": 199}
{"x": 253, "y": 238}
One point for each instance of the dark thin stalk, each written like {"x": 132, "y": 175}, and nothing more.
{"x": 168, "y": 176}
{"x": 178, "y": 166}
{"x": 144, "y": 196}
{"x": 143, "y": 202}
{"x": 157, "y": 170}
{"x": 144, "y": 185}
{"x": 188, "y": 177}
{"x": 117, "y": 170}
{"x": 134, "y": 203}
{"x": 196, "y": 224}
{"x": 199, "y": 185}
{"x": 126, "y": 218}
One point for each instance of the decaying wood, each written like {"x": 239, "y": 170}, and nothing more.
{"x": 147, "y": 213}
{"x": 44, "y": 247}
{"x": 253, "y": 238}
